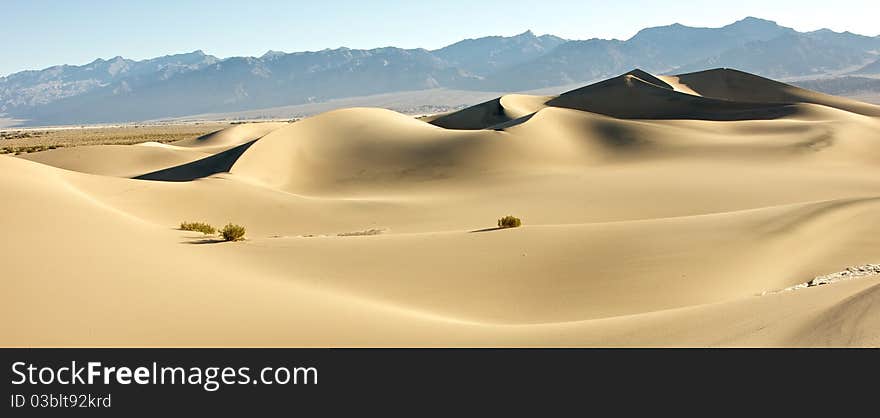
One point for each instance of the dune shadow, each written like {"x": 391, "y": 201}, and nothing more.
{"x": 479, "y": 116}
{"x": 630, "y": 97}
{"x": 208, "y": 166}
{"x": 810, "y": 214}
{"x": 818, "y": 142}
{"x": 202, "y": 241}
{"x": 615, "y": 135}
{"x": 511, "y": 123}
{"x": 494, "y": 228}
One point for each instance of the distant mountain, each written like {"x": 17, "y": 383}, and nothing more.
{"x": 847, "y": 40}
{"x": 753, "y": 45}
{"x": 678, "y": 44}
{"x": 842, "y": 85}
{"x": 247, "y": 83}
{"x": 872, "y": 68}
{"x": 120, "y": 89}
{"x": 787, "y": 55}
{"x": 29, "y": 89}
{"x": 484, "y": 56}
{"x": 572, "y": 62}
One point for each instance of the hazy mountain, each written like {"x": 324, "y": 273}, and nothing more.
{"x": 872, "y": 68}
{"x": 28, "y": 89}
{"x": 787, "y": 55}
{"x": 247, "y": 83}
{"x": 572, "y": 62}
{"x": 678, "y": 44}
{"x": 753, "y": 45}
{"x": 842, "y": 85}
{"x": 847, "y": 39}
{"x": 120, "y": 89}
{"x": 486, "y": 55}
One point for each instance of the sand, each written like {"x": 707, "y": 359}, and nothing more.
{"x": 657, "y": 211}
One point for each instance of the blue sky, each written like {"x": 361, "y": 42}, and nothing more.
{"x": 36, "y": 34}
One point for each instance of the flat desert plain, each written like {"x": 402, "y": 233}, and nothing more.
{"x": 688, "y": 210}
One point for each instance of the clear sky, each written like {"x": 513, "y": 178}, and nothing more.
{"x": 35, "y": 34}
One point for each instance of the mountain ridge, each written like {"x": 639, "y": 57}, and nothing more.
{"x": 119, "y": 89}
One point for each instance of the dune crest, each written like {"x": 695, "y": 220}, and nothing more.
{"x": 734, "y": 85}
{"x": 721, "y": 94}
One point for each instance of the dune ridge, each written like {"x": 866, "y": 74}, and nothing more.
{"x": 719, "y": 94}
{"x": 657, "y": 210}
{"x": 734, "y": 85}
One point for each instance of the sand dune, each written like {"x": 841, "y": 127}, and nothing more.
{"x": 721, "y": 94}
{"x": 233, "y": 136}
{"x": 115, "y": 160}
{"x": 631, "y": 97}
{"x": 492, "y": 113}
{"x": 658, "y": 211}
{"x": 729, "y": 84}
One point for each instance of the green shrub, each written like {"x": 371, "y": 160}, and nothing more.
{"x": 232, "y": 232}
{"x": 198, "y": 226}
{"x": 509, "y": 222}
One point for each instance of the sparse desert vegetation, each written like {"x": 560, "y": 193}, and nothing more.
{"x": 232, "y": 232}
{"x": 20, "y": 141}
{"x": 26, "y": 150}
{"x": 509, "y": 222}
{"x": 372, "y": 231}
{"x": 198, "y": 227}
{"x": 18, "y": 134}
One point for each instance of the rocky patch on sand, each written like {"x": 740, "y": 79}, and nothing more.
{"x": 848, "y": 274}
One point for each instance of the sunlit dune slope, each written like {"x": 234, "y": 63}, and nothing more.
{"x": 115, "y": 160}
{"x": 232, "y": 136}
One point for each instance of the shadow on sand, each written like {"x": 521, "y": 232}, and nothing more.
{"x": 496, "y": 228}
{"x": 201, "y": 241}
{"x": 219, "y": 163}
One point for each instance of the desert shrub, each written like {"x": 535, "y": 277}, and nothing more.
{"x": 198, "y": 226}
{"x": 509, "y": 222}
{"x": 232, "y": 232}
{"x": 361, "y": 233}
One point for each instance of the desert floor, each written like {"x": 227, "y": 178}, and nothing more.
{"x": 657, "y": 211}
{"x": 26, "y": 140}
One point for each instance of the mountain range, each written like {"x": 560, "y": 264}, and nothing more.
{"x": 120, "y": 89}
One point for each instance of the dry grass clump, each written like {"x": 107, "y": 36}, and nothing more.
{"x": 106, "y": 135}
{"x": 26, "y": 150}
{"x": 509, "y": 222}
{"x": 361, "y": 233}
{"x": 198, "y": 226}
{"x": 232, "y": 232}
